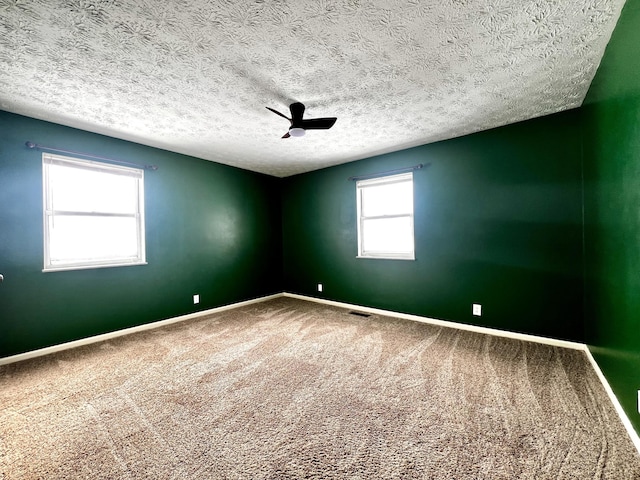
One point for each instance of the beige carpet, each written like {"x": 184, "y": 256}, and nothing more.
{"x": 291, "y": 389}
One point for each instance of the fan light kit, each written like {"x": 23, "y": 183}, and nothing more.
{"x": 299, "y": 126}
{"x": 296, "y": 132}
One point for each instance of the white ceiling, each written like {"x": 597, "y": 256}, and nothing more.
{"x": 194, "y": 76}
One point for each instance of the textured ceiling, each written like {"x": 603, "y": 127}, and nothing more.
{"x": 194, "y": 76}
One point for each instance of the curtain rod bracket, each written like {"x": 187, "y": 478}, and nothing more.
{"x": 35, "y": 146}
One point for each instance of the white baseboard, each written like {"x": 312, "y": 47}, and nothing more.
{"x": 621, "y": 413}
{"x": 127, "y": 331}
{"x": 444, "y": 323}
{"x": 500, "y": 333}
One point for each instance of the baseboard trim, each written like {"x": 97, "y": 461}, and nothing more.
{"x": 499, "y": 333}
{"x": 612, "y": 396}
{"x": 127, "y": 331}
{"x": 444, "y": 323}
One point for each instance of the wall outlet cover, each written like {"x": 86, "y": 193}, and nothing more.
{"x": 319, "y": 287}
{"x": 196, "y": 299}
{"x": 477, "y": 309}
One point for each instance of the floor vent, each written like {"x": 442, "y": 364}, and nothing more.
{"x": 359, "y": 314}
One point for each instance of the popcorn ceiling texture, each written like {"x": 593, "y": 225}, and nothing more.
{"x": 194, "y": 76}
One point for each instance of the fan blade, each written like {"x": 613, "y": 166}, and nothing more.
{"x": 297, "y": 111}
{"x": 278, "y": 113}
{"x": 286, "y": 135}
{"x": 318, "y": 123}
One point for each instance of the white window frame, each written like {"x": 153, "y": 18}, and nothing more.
{"x": 49, "y": 159}
{"x": 362, "y": 185}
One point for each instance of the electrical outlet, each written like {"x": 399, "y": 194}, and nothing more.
{"x": 477, "y": 309}
{"x": 196, "y": 299}
{"x": 638, "y": 401}
{"x": 319, "y": 287}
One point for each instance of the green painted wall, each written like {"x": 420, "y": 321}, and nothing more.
{"x": 211, "y": 229}
{"x": 611, "y": 118}
{"x": 498, "y": 221}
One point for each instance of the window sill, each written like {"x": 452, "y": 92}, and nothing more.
{"x": 90, "y": 267}
{"x": 375, "y": 257}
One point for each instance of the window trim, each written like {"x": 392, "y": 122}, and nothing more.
{"x": 384, "y": 180}
{"x": 136, "y": 173}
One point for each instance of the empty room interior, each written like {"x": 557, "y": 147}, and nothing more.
{"x": 364, "y": 239}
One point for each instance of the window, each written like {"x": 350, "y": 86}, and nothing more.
{"x": 93, "y": 214}
{"x": 385, "y": 217}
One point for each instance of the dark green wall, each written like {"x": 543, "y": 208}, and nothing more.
{"x": 498, "y": 221}
{"x": 611, "y": 116}
{"x": 211, "y": 229}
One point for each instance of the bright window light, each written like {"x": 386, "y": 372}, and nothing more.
{"x": 93, "y": 214}
{"x": 385, "y": 217}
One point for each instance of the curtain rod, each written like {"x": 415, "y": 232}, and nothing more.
{"x": 389, "y": 172}
{"x": 36, "y": 146}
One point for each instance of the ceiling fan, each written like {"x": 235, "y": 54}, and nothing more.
{"x": 298, "y": 125}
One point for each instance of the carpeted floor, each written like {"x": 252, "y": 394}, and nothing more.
{"x": 292, "y": 389}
